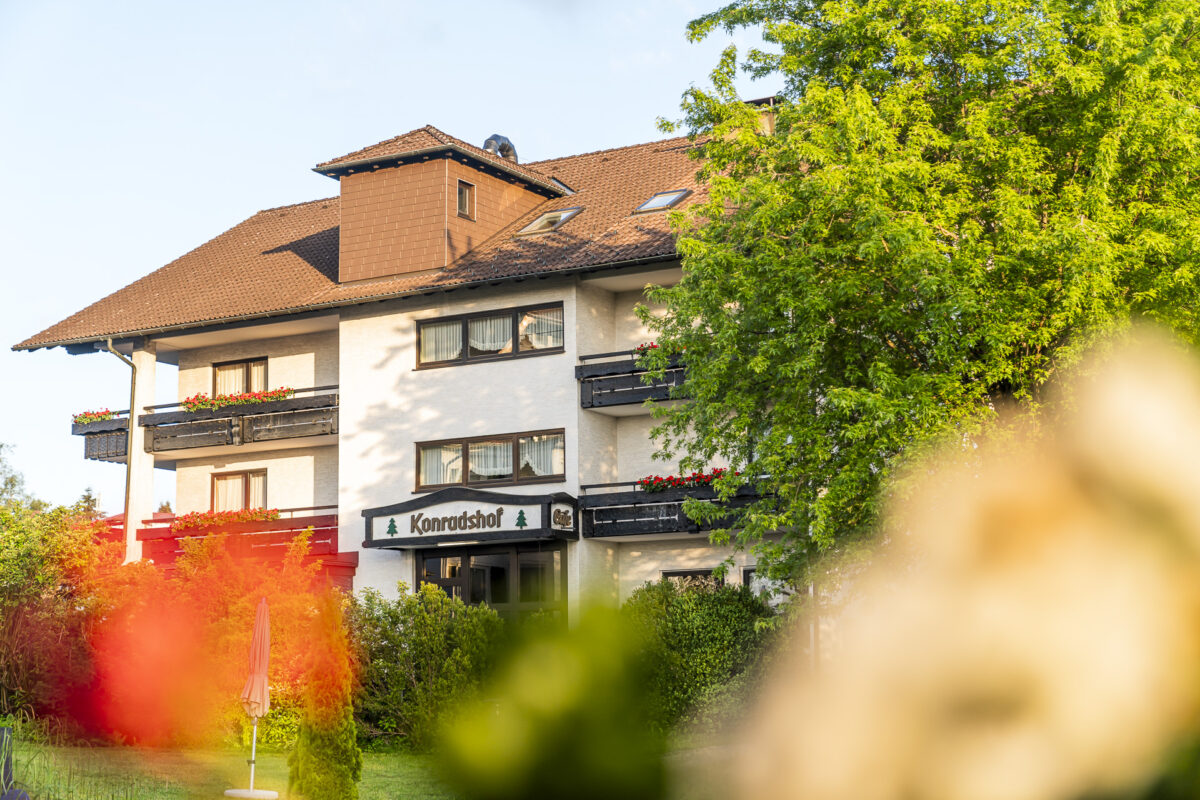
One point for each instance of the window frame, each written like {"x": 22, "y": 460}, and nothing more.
{"x": 245, "y": 364}
{"x": 470, "y": 213}
{"x": 683, "y": 193}
{"x": 575, "y": 212}
{"x": 245, "y": 473}
{"x": 465, "y": 321}
{"x": 465, "y": 456}
{"x": 684, "y": 574}
{"x": 514, "y": 608}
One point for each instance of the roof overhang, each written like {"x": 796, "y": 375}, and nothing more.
{"x": 496, "y": 168}
{"x": 121, "y": 339}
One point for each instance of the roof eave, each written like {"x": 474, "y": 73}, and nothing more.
{"x": 345, "y": 167}
{"x": 358, "y": 301}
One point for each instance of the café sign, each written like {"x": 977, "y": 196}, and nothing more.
{"x": 461, "y": 515}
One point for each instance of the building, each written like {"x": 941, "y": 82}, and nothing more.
{"x": 458, "y": 332}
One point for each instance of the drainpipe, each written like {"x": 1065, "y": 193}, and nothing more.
{"x": 129, "y": 432}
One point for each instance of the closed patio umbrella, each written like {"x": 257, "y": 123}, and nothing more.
{"x": 256, "y": 695}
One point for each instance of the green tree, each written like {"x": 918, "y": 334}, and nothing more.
{"x": 958, "y": 197}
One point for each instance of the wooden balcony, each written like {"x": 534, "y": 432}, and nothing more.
{"x": 169, "y": 429}
{"x": 265, "y": 541}
{"x": 623, "y": 510}
{"x": 612, "y": 383}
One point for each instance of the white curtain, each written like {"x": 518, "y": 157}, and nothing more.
{"x": 258, "y": 379}
{"x": 230, "y": 491}
{"x": 491, "y": 461}
{"x": 491, "y": 335}
{"x": 441, "y": 464}
{"x": 258, "y": 489}
{"x": 231, "y": 378}
{"x": 542, "y": 329}
{"x": 441, "y": 341}
{"x": 543, "y": 455}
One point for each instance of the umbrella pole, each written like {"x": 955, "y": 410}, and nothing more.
{"x": 253, "y": 751}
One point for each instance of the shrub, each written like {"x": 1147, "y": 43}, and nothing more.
{"x": 278, "y": 730}
{"x": 700, "y": 639}
{"x": 421, "y": 653}
{"x": 326, "y": 763}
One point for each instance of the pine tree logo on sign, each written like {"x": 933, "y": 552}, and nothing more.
{"x": 521, "y": 523}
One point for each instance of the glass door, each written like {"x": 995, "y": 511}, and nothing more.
{"x": 516, "y": 580}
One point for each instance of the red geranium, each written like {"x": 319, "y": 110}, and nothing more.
{"x": 199, "y": 401}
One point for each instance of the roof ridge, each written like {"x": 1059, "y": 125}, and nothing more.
{"x": 296, "y": 205}
{"x": 611, "y": 149}
{"x": 397, "y": 137}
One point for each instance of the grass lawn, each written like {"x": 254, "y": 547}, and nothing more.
{"x": 116, "y": 773}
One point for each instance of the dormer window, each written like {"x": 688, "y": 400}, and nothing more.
{"x": 662, "y": 201}
{"x": 550, "y": 221}
{"x": 466, "y": 200}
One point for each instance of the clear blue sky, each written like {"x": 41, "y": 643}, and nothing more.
{"x": 135, "y": 131}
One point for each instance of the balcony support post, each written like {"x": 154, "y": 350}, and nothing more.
{"x": 139, "y": 465}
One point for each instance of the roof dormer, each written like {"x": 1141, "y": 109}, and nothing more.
{"x": 421, "y": 200}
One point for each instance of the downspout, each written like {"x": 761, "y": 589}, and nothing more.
{"x": 129, "y": 428}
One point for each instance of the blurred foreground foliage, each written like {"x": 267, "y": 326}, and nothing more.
{"x": 567, "y": 715}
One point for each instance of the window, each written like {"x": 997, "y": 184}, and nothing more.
{"x": 490, "y": 335}
{"x": 536, "y": 457}
{"x": 239, "y": 377}
{"x": 550, "y": 221}
{"x": 776, "y": 592}
{"x": 662, "y": 201}
{"x": 690, "y": 578}
{"x": 466, "y": 200}
{"x": 516, "y": 580}
{"x": 235, "y": 491}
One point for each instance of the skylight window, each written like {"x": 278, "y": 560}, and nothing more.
{"x": 549, "y": 221}
{"x": 662, "y": 200}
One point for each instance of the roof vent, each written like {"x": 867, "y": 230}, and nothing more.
{"x": 501, "y": 146}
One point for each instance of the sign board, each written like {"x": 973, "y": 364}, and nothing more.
{"x": 469, "y": 515}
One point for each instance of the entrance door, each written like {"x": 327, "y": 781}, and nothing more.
{"x": 445, "y": 571}
{"x": 516, "y": 580}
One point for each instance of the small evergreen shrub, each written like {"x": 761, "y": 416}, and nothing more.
{"x": 326, "y": 763}
{"x": 701, "y": 641}
{"x": 422, "y": 654}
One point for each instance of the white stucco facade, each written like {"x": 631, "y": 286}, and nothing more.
{"x": 387, "y": 403}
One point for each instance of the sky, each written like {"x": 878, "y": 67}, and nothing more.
{"x": 135, "y": 131}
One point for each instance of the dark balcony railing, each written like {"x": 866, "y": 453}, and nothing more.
{"x": 266, "y": 541}
{"x": 311, "y": 412}
{"x": 623, "y": 509}
{"x": 613, "y": 379}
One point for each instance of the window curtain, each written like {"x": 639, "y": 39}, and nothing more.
{"x": 258, "y": 489}
{"x": 231, "y": 378}
{"x": 230, "y": 491}
{"x": 543, "y": 455}
{"x": 258, "y": 376}
{"x": 541, "y": 330}
{"x": 491, "y": 335}
{"x": 441, "y": 464}
{"x": 441, "y": 341}
{"x": 491, "y": 461}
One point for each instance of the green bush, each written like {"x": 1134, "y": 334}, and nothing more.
{"x": 277, "y": 731}
{"x": 420, "y": 654}
{"x": 702, "y": 639}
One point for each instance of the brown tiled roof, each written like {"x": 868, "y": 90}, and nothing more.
{"x": 285, "y": 260}
{"x": 426, "y": 139}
